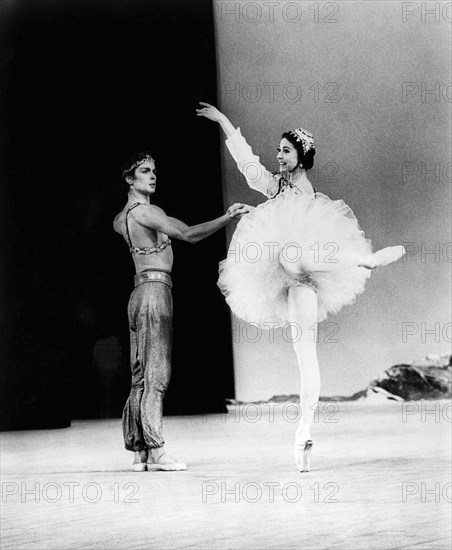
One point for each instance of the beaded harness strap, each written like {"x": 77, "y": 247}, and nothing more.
{"x": 135, "y": 249}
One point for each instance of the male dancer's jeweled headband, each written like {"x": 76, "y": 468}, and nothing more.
{"x": 306, "y": 138}
{"x": 147, "y": 158}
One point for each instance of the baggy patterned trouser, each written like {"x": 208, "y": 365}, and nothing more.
{"x": 150, "y": 313}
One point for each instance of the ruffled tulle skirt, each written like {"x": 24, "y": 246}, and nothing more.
{"x": 252, "y": 279}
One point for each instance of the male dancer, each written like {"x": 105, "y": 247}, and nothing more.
{"x": 146, "y": 229}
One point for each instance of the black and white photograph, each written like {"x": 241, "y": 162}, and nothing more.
{"x": 225, "y": 274}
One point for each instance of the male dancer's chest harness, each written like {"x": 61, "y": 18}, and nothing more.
{"x": 136, "y": 250}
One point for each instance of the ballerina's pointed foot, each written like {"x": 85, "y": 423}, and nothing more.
{"x": 384, "y": 256}
{"x": 303, "y": 455}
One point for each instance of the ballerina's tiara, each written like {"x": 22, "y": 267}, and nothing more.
{"x": 147, "y": 158}
{"x": 306, "y": 138}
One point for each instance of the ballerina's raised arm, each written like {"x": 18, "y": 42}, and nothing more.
{"x": 257, "y": 176}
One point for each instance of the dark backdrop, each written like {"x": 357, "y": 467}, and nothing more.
{"x": 84, "y": 85}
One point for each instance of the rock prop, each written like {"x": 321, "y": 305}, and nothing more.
{"x": 375, "y": 395}
{"x": 430, "y": 378}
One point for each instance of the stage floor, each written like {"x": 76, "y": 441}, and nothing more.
{"x": 380, "y": 479}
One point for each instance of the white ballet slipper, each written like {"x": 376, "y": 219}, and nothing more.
{"x": 165, "y": 463}
{"x": 139, "y": 467}
{"x": 384, "y": 256}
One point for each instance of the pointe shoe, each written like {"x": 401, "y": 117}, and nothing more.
{"x": 385, "y": 256}
{"x": 165, "y": 463}
{"x": 139, "y": 466}
{"x": 302, "y": 455}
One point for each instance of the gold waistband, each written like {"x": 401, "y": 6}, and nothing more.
{"x": 153, "y": 275}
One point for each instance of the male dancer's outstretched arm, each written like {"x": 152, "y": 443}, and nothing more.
{"x": 153, "y": 217}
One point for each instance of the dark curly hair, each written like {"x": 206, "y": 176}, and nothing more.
{"x": 128, "y": 168}
{"x": 306, "y": 159}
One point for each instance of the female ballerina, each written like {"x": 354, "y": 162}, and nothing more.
{"x": 309, "y": 257}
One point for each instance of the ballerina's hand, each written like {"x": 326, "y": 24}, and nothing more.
{"x": 209, "y": 111}
{"x": 238, "y": 210}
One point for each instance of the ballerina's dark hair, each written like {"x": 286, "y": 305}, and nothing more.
{"x": 306, "y": 159}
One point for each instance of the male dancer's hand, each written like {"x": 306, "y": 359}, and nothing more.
{"x": 238, "y": 209}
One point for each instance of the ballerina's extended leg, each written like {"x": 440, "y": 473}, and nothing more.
{"x": 296, "y": 261}
{"x": 303, "y": 316}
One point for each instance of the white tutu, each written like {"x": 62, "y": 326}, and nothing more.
{"x": 252, "y": 279}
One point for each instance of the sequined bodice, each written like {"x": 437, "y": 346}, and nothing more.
{"x": 285, "y": 184}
